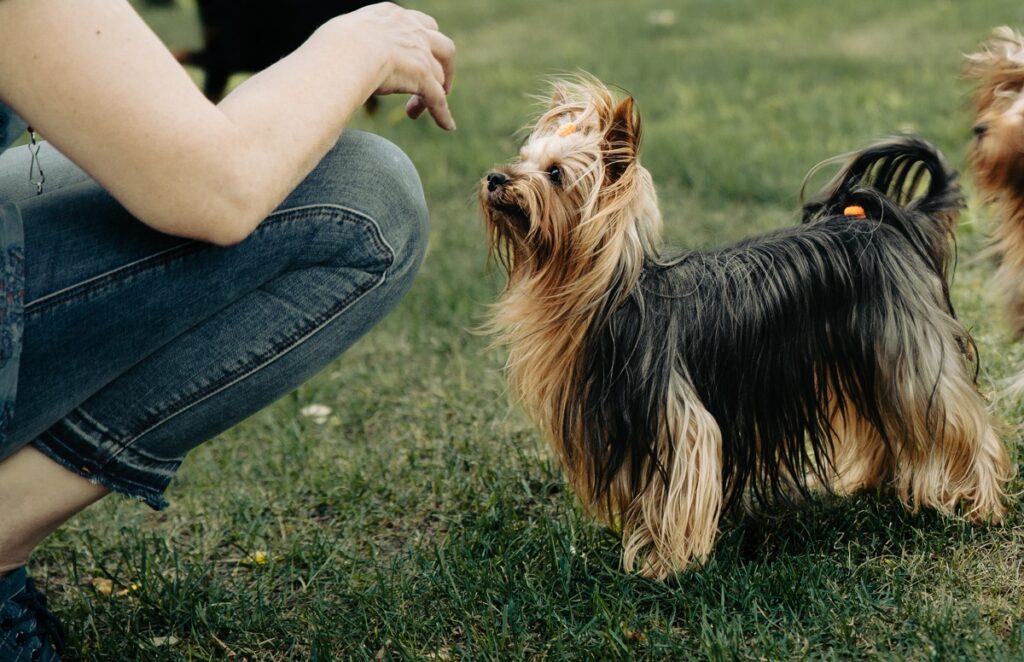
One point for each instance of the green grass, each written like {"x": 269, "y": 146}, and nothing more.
{"x": 425, "y": 519}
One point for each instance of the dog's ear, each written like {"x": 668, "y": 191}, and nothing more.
{"x": 622, "y": 138}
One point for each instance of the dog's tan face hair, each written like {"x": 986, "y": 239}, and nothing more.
{"x": 576, "y": 185}
{"x": 997, "y": 153}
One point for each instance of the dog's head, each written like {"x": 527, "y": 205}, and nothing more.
{"x": 576, "y": 191}
{"x": 997, "y": 150}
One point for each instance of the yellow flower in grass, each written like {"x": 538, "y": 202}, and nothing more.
{"x": 105, "y": 586}
{"x": 259, "y": 557}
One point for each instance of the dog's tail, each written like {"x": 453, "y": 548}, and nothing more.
{"x": 903, "y": 182}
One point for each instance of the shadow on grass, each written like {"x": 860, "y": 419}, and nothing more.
{"x": 879, "y": 525}
{"x": 510, "y": 581}
{"x": 525, "y": 574}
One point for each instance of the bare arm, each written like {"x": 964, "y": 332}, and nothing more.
{"x": 93, "y": 79}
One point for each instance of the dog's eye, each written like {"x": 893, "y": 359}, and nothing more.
{"x": 555, "y": 175}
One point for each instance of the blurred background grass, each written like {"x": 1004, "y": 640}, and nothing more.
{"x": 423, "y": 518}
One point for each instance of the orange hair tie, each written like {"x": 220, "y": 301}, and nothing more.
{"x": 855, "y": 211}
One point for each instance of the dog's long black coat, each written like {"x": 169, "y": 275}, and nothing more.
{"x": 766, "y": 329}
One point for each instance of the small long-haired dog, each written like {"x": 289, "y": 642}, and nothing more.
{"x": 677, "y": 387}
{"x": 997, "y": 155}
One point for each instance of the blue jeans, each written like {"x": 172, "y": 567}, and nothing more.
{"x": 139, "y": 346}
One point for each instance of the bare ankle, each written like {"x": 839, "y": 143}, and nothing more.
{"x": 36, "y": 496}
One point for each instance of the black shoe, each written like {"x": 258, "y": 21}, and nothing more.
{"x": 28, "y": 631}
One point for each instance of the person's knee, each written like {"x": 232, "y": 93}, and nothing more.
{"x": 387, "y": 189}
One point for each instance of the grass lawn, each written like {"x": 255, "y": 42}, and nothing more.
{"x": 425, "y": 519}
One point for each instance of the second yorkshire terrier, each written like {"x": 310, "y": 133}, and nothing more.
{"x": 679, "y": 386}
{"x": 997, "y": 155}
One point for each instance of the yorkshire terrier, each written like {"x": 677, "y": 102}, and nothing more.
{"x": 681, "y": 386}
{"x": 997, "y": 155}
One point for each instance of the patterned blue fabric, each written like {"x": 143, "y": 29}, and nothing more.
{"x": 12, "y": 283}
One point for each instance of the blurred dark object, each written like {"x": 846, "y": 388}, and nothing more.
{"x": 248, "y": 36}
{"x": 160, "y": 3}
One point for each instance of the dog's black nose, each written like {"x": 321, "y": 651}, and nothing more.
{"x": 495, "y": 179}
{"x": 980, "y": 129}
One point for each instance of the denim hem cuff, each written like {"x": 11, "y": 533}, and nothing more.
{"x": 53, "y": 448}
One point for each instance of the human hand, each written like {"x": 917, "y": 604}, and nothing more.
{"x": 417, "y": 58}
